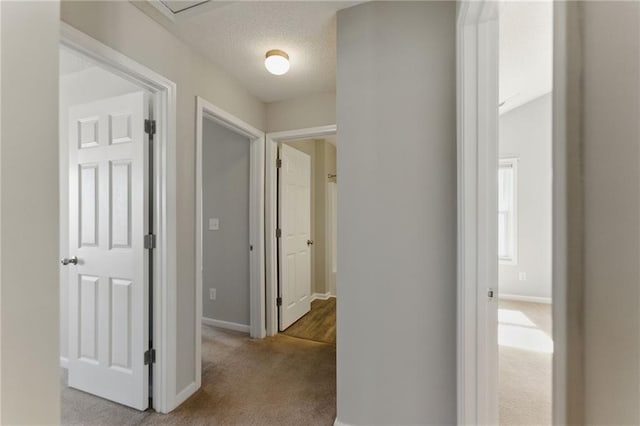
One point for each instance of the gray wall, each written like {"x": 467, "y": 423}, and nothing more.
{"x": 299, "y": 113}
{"x": 123, "y": 27}
{"x": 29, "y": 363}
{"x": 525, "y": 133}
{"x": 611, "y": 158}
{"x": 225, "y": 173}
{"x": 396, "y": 109}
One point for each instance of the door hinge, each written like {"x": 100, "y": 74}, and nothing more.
{"x": 279, "y": 163}
{"x": 150, "y": 127}
{"x": 150, "y": 241}
{"x": 279, "y": 301}
{"x": 278, "y": 233}
{"x": 150, "y": 357}
{"x": 490, "y": 293}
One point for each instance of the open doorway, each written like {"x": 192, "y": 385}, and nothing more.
{"x": 307, "y": 232}
{"x": 117, "y": 132}
{"x": 105, "y": 213}
{"x": 524, "y": 214}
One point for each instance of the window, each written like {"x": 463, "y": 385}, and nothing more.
{"x": 507, "y": 203}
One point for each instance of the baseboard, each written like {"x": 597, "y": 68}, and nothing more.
{"x": 518, "y": 298}
{"x": 64, "y": 362}
{"x": 339, "y": 423}
{"x": 321, "y": 296}
{"x": 226, "y": 325}
{"x": 184, "y": 394}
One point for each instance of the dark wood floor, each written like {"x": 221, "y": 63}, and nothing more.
{"x": 318, "y": 325}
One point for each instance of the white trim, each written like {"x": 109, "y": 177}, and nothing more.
{"x": 339, "y": 423}
{"x": 185, "y": 393}
{"x": 322, "y": 296}
{"x": 64, "y": 362}
{"x": 256, "y": 221}
{"x": 477, "y": 164}
{"x": 520, "y": 298}
{"x": 165, "y": 254}
{"x": 243, "y": 328}
{"x": 272, "y": 139}
{"x": 513, "y": 163}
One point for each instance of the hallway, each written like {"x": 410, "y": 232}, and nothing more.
{"x": 280, "y": 380}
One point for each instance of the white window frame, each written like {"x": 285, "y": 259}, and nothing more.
{"x": 511, "y": 163}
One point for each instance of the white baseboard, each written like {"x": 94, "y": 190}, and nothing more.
{"x": 339, "y": 423}
{"x": 518, "y": 298}
{"x": 321, "y": 296}
{"x": 226, "y": 325}
{"x": 64, "y": 362}
{"x": 184, "y": 394}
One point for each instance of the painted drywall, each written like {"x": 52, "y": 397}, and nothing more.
{"x": 525, "y": 134}
{"x": 396, "y": 105}
{"x": 75, "y": 89}
{"x": 225, "y": 188}
{"x": 611, "y": 161}
{"x": 321, "y": 164}
{"x": 330, "y": 225}
{"x": 125, "y": 28}
{"x": 29, "y": 368}
{"x": 301, "y": 113}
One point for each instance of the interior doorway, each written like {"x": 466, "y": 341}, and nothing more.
{"x": 319, "y": 142}
{"x": 307, "y": 233}
{"x": 117, "y": 130}
{"x": 525, "y": 337}
{"x": 106, "y": 211}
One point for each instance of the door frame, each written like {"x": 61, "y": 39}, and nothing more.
{"x": 205, "y": 109}
{"x": 163, "y": 95}
{"x": 477, "y": 145}
{"x": 271, "y": 212}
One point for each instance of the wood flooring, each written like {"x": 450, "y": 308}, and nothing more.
{"x": 318, "y": 325}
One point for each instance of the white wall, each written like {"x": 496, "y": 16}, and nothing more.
{"x": 76, "y": 89}
{"x": 300, "y": 113}
{"x": 225, "y": 187}
{"x": 611, "y": 161}
{"x": 525, "y": 134}
{"x": 123, "y": 27}
{"x": 396, "y": 351}
{"x": 29, "y": 373}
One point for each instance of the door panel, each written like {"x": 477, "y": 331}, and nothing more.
{"x": 295, "y": 224}
{"x": 108, "y": 287}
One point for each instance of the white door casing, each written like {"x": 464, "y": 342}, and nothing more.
{"x": 295, "y": 241}
{"x": 108, "y": 218}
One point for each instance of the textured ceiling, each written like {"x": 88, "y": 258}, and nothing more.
{"x": 236, "y": 36}
{"x": 526, "y": 51}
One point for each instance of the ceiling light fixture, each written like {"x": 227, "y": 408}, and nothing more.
{"x": 277, "y": 62}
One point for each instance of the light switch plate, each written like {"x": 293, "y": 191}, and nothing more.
{"x": 214, "y": 224}
{"x": 522, "y": 276}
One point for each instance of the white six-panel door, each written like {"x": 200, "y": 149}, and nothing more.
{"x": 108, "y": 288}
{"x": 295, "y": 241}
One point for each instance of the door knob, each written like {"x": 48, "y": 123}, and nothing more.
{"x": 309, "y": 242}
{"x": 66, "y": 261}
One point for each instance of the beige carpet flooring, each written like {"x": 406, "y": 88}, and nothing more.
{"x": 279, "y": 380}
{"x": 319, "y": 324}
{"x": 525, "y": 374}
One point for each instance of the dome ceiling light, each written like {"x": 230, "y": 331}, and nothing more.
{"x": 277, "y": 62}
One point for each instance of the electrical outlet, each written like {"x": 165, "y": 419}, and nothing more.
{"x": 214, "y": 224}
{"x": 522, "y": 276}
{"x": 212, "y": 293}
